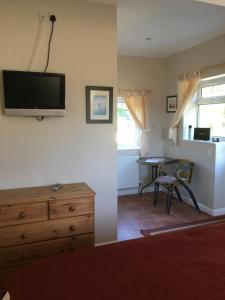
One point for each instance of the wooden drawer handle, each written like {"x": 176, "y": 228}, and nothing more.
{"x": 71, "y": 208}
{"x": 23, "y": 235}
{"x": 22, "y": 215}
{"x": 53, "y": 210}
{"x": 72, "y": 228}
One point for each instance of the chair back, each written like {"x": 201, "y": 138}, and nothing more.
{"x": 168, "y": 168}
{"x": 184, "y": 170}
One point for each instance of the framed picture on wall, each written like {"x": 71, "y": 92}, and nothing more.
{"x": 99, "y": 104}
{"x": 171, "y": 104}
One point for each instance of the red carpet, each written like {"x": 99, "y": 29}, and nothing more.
{"x": 183, "y": 265}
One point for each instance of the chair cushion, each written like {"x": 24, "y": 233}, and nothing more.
{"x": 167, "y": 179}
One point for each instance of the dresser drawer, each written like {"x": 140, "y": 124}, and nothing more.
{"x": 17, "y": 255}
{"x": 82, "y": 241}
{"x": 71, "y": 207}
{"x": 20, "y": 214}
{"x": 34, "y": 232}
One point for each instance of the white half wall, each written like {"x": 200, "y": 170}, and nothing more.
{"x": 219, "y": 189}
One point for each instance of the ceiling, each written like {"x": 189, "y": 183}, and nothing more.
{"x": 114, "y": 2}
{"x": 173, "y": 25}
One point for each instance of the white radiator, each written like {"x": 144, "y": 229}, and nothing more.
{"x": 128, "y": 172}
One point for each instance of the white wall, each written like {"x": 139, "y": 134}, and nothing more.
{"x": 219, "y": 191}
{"x": 64, "y": 149}
{"x": 203, "y": 155}
{"x": 146, "y": 73}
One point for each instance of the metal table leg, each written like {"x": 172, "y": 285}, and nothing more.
{"x": 150, "y": 181}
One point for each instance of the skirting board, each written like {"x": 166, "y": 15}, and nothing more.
{"x": 129, "y": 191}
{"x": 106, "y": 243}
{"x": 132, "y": 191}
{"x": 213, "y": 212}
{"x": 6, "y": 297}
{"x": 204, "y": 208}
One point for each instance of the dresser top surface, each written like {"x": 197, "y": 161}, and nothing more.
{"x": 44, "y": 193}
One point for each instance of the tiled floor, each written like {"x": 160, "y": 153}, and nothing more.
{"x": 138, "y": 212}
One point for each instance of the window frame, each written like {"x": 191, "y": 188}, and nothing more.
{"x": 207, "y": 82}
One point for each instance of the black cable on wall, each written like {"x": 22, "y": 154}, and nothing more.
{"x": 52, "y": 18}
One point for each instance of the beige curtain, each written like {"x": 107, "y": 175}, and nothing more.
{"x": 186, "y": 87}
{"x": 136, "y": 104}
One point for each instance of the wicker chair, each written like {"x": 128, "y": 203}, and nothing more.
{"x": 182, "y": 175}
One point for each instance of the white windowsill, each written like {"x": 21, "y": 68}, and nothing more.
{"x": 128, "y": 148}
{"x": 202, "y": 142}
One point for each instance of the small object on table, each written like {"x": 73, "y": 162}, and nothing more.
{"x": 57, "y": 186}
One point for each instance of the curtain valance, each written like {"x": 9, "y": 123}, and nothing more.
{"x": 133, "y": 92}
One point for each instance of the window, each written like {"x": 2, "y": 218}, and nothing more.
{"x": 128, "y": 135}
{"x": 211, "y": 105}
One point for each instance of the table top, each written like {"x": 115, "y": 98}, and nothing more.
{"x": 155, "y": 160}
{"x": 44, "y": 193}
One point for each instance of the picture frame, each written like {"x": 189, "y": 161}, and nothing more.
{"x": 99, "y": 104}
{"x": 171, "y": 104}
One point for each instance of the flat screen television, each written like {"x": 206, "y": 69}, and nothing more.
{"x": 202, "y": 134}
{"x": 34, "y": 93}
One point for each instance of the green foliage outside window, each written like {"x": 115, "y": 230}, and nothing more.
{"x": 123, "y": 113}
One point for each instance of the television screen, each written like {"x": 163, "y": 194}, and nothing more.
{"x": 34, "y": 90}
{"x": 202, "y": 134}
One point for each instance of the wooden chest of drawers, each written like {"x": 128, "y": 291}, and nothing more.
{"x": 36, "y": 222}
